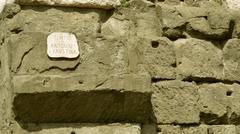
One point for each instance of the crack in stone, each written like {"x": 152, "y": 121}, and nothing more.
{"x": 21, "y": 61}
{"x": 61, "y": 69}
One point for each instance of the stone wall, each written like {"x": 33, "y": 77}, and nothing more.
{"x": 145, "y": 67}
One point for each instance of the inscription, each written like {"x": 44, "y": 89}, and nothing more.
{"x": 62, "y": 45}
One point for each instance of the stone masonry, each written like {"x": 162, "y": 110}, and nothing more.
{"x": 142, "y": 67}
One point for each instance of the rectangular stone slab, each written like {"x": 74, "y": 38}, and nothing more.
{"x": 105, "y": 4}
{"x": 72, "y": 100}
{"x": 77, "y": 128}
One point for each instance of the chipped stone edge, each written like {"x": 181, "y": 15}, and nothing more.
{"x": 76, "y": 3}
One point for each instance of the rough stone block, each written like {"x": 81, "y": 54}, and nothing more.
{"x": 79, "y": 129}
{"x": 219, "y": 103}
{"x": 10, "y": 10}
{"x": 233, "y": 4}
{"x": 172, "y": 22}
{"x": 29, "y": 55}
{"x": 106, "y": 4}
{"x": 231, "y": 58}
{"x": 175, "y": 102}
{"x": 101, "y": 56}
{"x": 159, "y": 58}
{"x": 197, "y": 22}
{"x": 222, "y": 129}
{"x": 170, "y": 129}
{"x": 148, "y": 25}
{"x": 109, "y": 27}
{"x": 198, "y": 59}
{"x": 56, "y": 19}
{"x": 149, "y": 128}
{"x": 201, "y": 129}
{"x": 81, "y": 99}
{"x": 215, "y": 25}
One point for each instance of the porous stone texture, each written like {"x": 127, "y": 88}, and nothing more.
{"x": 219, "y": 103}
{"x": 80, "y": 129}
{"x": 233, "y": 4}
{"x": 106, "y": 4}
{"x": 175, "y": 102}
{"x": 198, "y": 59}
{"x": 202, "y": 129}
{"x": 159, "y": 56}
{"x": 40, "y": 100}
{"x": 144, "y": 66}
{"x": 231, "y": 58}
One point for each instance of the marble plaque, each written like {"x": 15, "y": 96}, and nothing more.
{"x": 62, "y": 45}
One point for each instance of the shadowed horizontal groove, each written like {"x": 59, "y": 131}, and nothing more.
{"x": 208, "y": 80}
{"x": 83, "y": 107}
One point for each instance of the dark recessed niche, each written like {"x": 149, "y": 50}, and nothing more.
{"x": 73, "y": 132}
{"x": 155, "y": 44}
{"x": 229, "y": 93}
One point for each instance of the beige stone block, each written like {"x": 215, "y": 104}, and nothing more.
{"x": 175, "y": 102}
{"x": 233, "y": 4}
{"x": 222, "y": 129}
{"x": 81, "y": 99}
{"x": 219, "y": 103}
{"x": 79, "y": 129}
{"x": 231, "y": 59}
{"x": 106, "y": 4}
{"x": 159, "y": 58}
{"x": 198, "y": 59}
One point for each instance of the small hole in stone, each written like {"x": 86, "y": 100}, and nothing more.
{"x": 155, "y": 44}
{"x": 174, "y": 65}
{"x": 159, "y": 130}
{"x": 73, "y": 132}
{"x": 80, "y": 82}
{"x": 205, "y": 106}
{"x": 229, "y": 93}
{"x": 179, "y": 63}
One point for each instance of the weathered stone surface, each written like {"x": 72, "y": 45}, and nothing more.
{"x": 148, "y": 25}
{"x": 236, "y": 30}
{"x": 222, "y": 129}
{"x": 62, "y": 45}
{"x": 216, "y": 25}
{"x": 76, "y": 21}
{"x": 198, "y": 59}
{"x": 201, "y": 129}
{"x": 98, "y": 56}
{"x": 159, "y": 57}
{"x": 214, "y": 103}
{"x": 175, "y": 102}
{"x": 28, "y": 46}
{"x": 233, "y": 4}
{"x": 49, "y": 99}
{"x": 2, "y": 4}
{"x": 170, "y": 129}
{"x": 219, "y": 103}
{"x": 231, "y": 58}
{"x": 122, "y": 29}
{"x": 80, "y": 129}
{"x": 106, "y": 4}
{"x": 172, "y": 22}
{"x": 149, "y": 129}
{"x": 123, "y": 56}
{"x": 198, "y": 22}
{"x": 10, "y": 10}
